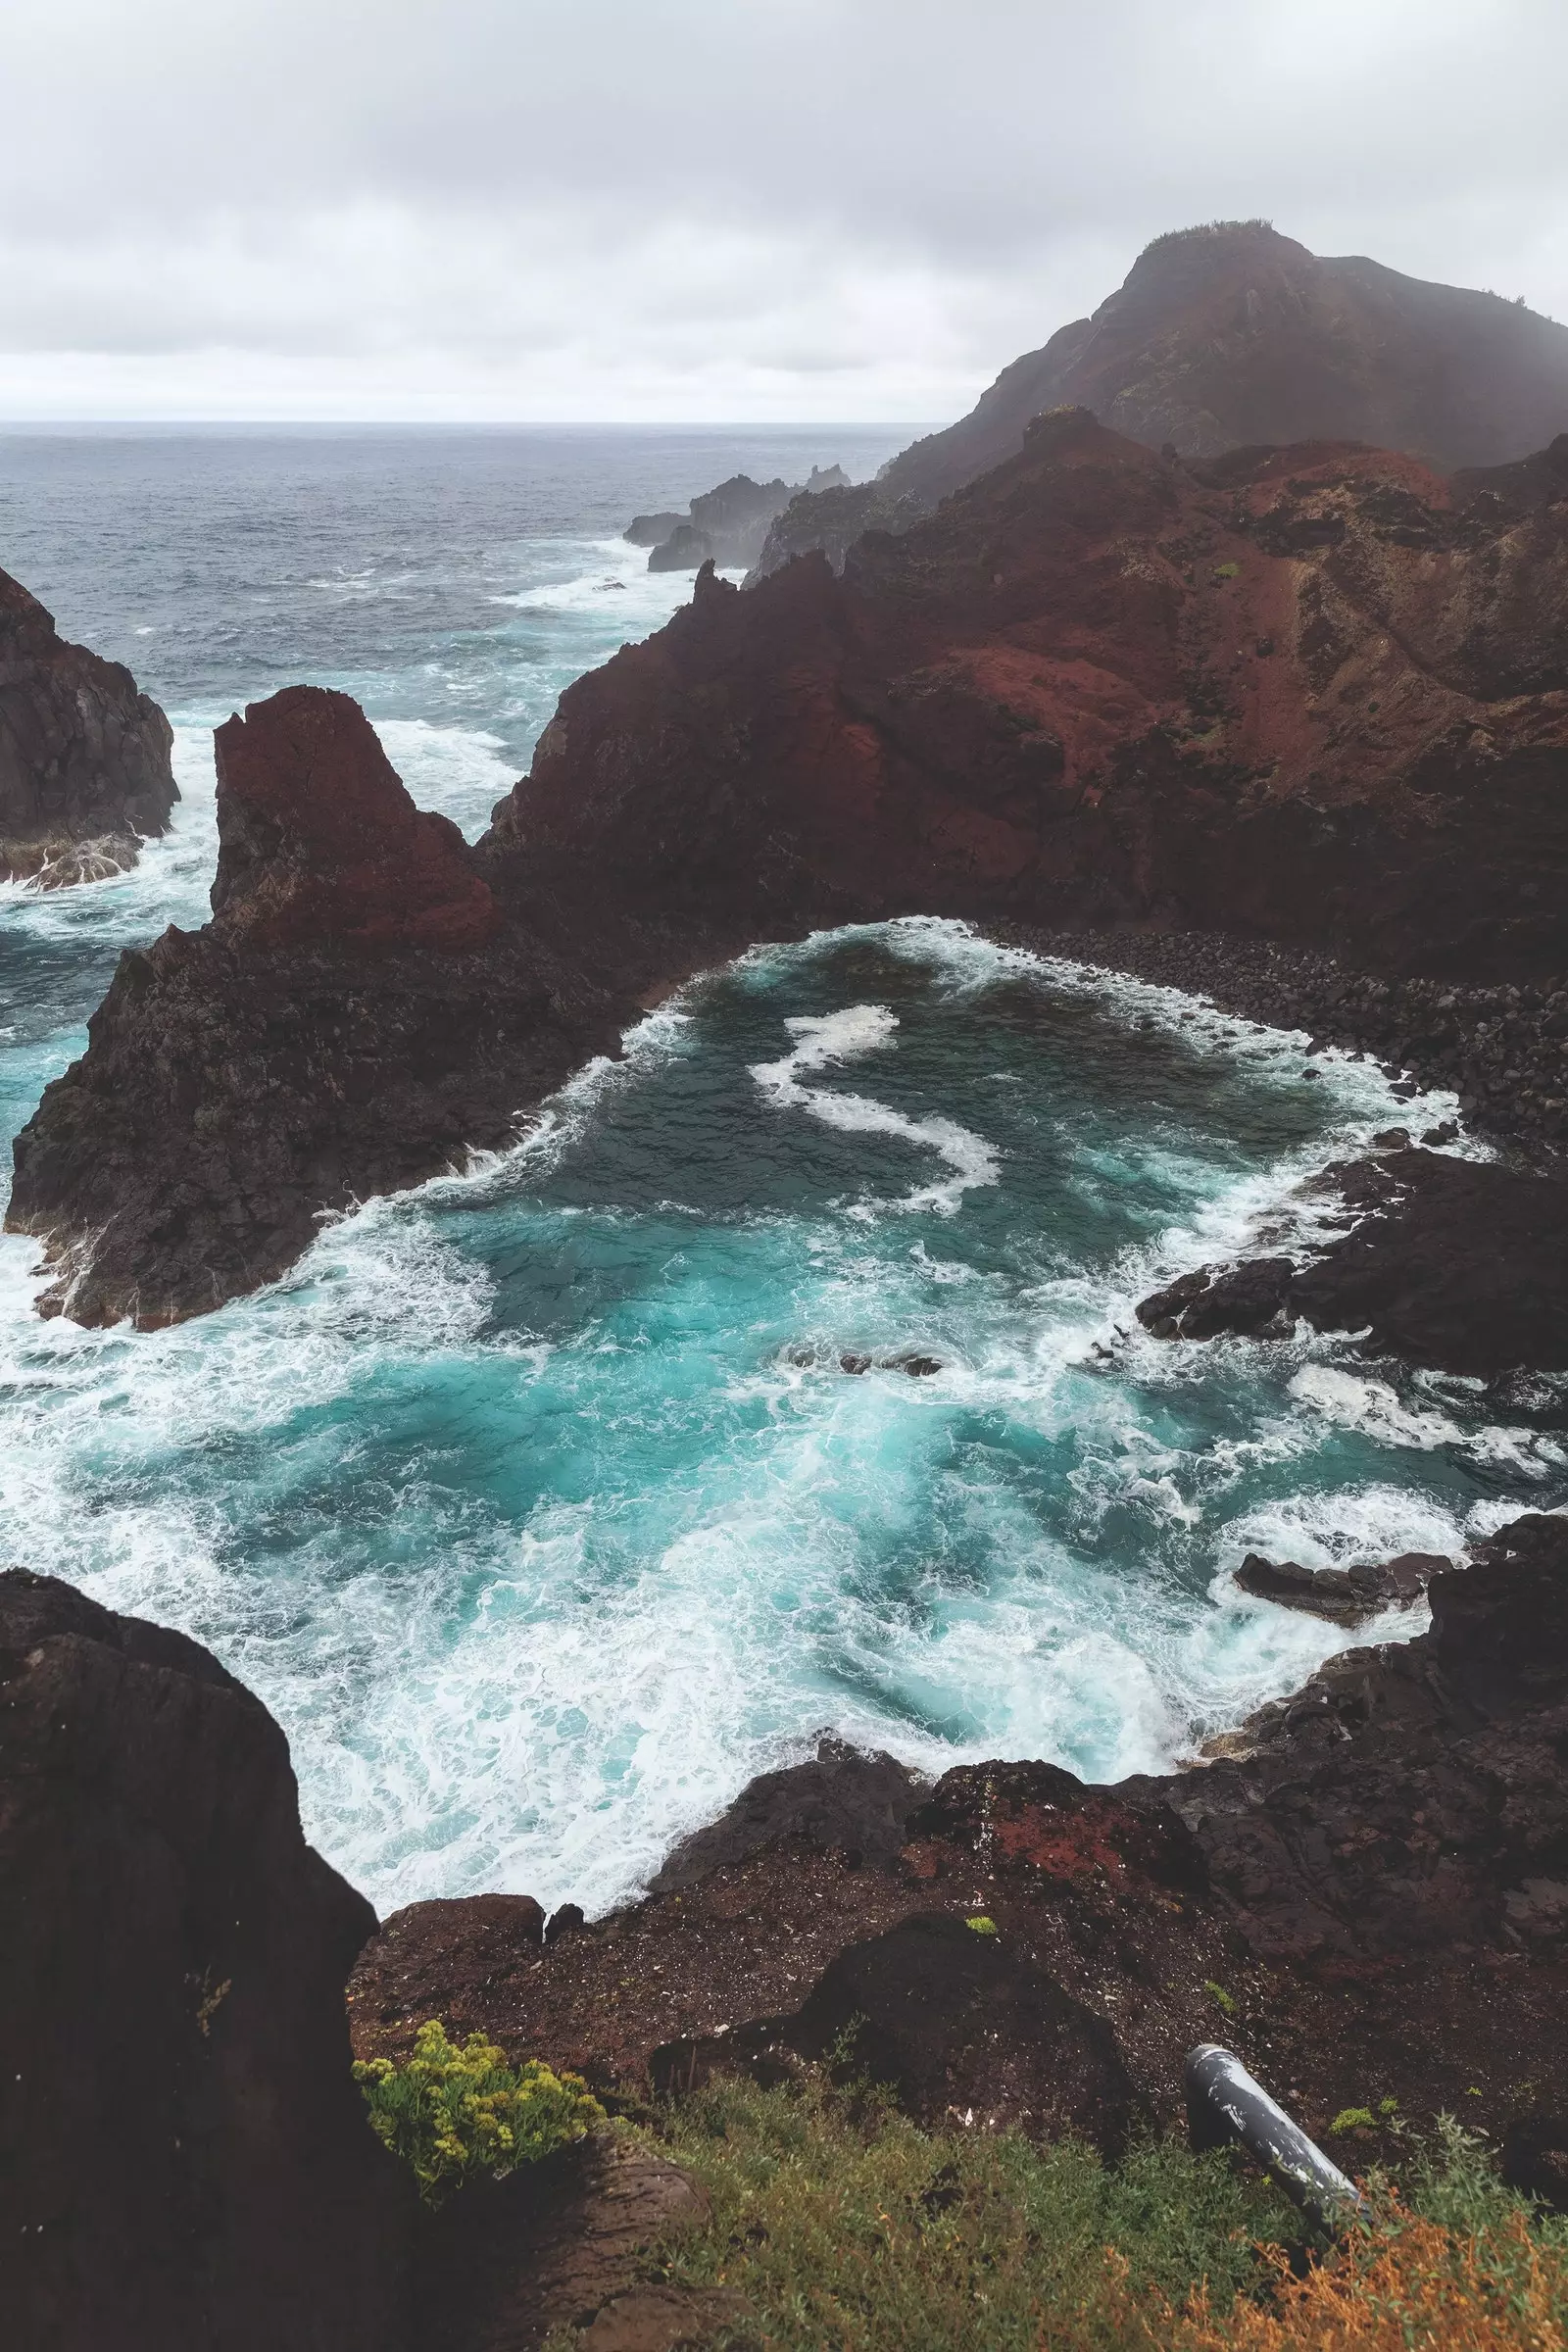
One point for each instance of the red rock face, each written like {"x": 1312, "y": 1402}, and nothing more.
{"x": 320, "y": 840}
{"x": 1313, "y": 693}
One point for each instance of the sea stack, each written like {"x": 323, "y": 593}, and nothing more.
{"x": 84, "y": 757}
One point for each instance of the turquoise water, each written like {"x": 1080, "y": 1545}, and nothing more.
{"x": 538, "y": 1504}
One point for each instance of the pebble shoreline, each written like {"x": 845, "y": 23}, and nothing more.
{"x": 1502, "y": 1049}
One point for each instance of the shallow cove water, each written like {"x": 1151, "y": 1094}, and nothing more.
{"x": 539, "y": 1506}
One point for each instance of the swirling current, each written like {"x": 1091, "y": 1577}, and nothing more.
{"x": 539, "y": 1504}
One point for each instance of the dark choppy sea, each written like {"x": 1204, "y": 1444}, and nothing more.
{"x": 536, "y": 1503}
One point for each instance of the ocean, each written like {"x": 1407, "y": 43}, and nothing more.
{"x": 539, "y": 1504}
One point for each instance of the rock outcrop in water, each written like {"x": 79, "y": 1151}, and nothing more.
{"x": 354, "y": 1019}
{"x": 185, "y": 2159}
{"x": 1459, "y": 1265}
{"x": 728, "y": 524}
{"x": 84, "y": 757}
{"x": 1313, "y": 695}
{"x": 1232, "y": 336}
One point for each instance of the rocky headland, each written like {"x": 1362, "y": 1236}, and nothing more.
{"x": 84, "y": 757}
{"x": 1364, "y": 1891}
{"x": 1312, "y": 702}
{"x": 1232, "y": 336}
{"x": 726, "y": 525}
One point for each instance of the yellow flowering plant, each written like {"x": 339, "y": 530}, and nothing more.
{"x": 454, "y": 2113}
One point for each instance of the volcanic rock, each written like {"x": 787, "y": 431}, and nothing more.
{"x": 356, "y": 1017}
{"x": 1041, "y": 706}
{"x": 555, "y": 2244}
{"x": 184, "y": 2157}
{"x": 687, "y": 548}
{"x": 1230, "y": 336}
{"x": 1344, "y": 1595}
{"x": 967, "y": 2028}
{"x": 728, "y": 523}
{"x": 1459, "y": 1265}
{"x": 84, "y": 757}
{"x": 841, "y": 1802}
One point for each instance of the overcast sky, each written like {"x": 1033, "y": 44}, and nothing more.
{"x": 710, "y": 208}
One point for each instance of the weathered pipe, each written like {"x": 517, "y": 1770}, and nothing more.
{"x": 1224, "y": 2103}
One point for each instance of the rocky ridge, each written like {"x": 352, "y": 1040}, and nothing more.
{"x": 1312, "y": 696}
{"x": 728, "y": 524}
{"x": 1364, "y": 1891}
{"x": 84, "y": 757}
{"x": 1232, "y": 336}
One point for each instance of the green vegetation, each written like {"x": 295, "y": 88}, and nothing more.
{"x": 452, "y": 2113}
{"x": 848, "y": 2228}
{"x": 981, "y": 1925}
{"x": 1354, "y": 2119}
{"x": 1218, "y": 1994}
{"x": 1200, "y": 232}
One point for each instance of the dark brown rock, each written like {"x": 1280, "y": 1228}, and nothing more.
{"x": 185, "y": 2158}
{"x": 351, "y": 1021}
{"x": 555, "y": 2244}
{"x": 841, "y": 1802}
{"x": 1026, "y": 709}
{"x": 968, "y": 2030}
{"x": 1343, "y": 1596}
{"x": 1460, "y": 1264}
{"x": 84, "y": 765}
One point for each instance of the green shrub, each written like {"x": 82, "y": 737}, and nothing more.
{"x": 454, "y": 2113}
{"x": 846, "y": 2226}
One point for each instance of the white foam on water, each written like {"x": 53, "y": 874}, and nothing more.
{"x": 828, "y": 1040}
{"x": 461, "y": 772}
{"x": 733, "y": 1543}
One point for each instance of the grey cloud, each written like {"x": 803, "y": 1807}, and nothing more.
{"x": 818, "y": 201}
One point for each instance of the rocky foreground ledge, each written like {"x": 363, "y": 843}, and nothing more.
{"x": 1316, "y": 697}
{"x": 84, "y": 757}
{"x": 1365, "y": 1892}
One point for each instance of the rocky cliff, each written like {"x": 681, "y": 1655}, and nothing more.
{"x": 1364, "y": 1890}
{"x": 1312, "y": 692}
{"x": 185, "y": 2158}
{"x": 1230, "y": 336}
{"x": 1315, "y": 695}
{"x": 728, "y": 523}
{"x": 356, "y": 1016}
{"x": 84, "y": 765}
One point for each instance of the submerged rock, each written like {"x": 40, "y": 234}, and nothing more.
{"x": 84, "y": 757}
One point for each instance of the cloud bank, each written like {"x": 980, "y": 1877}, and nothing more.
{"x": 710, "y": 208}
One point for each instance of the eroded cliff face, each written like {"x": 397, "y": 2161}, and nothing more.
{"x": 1233, "y": 336}
{"x": 84, "y": 757}
{"x": 1310, "y": 693}
{"x": 353, "y": 1019}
